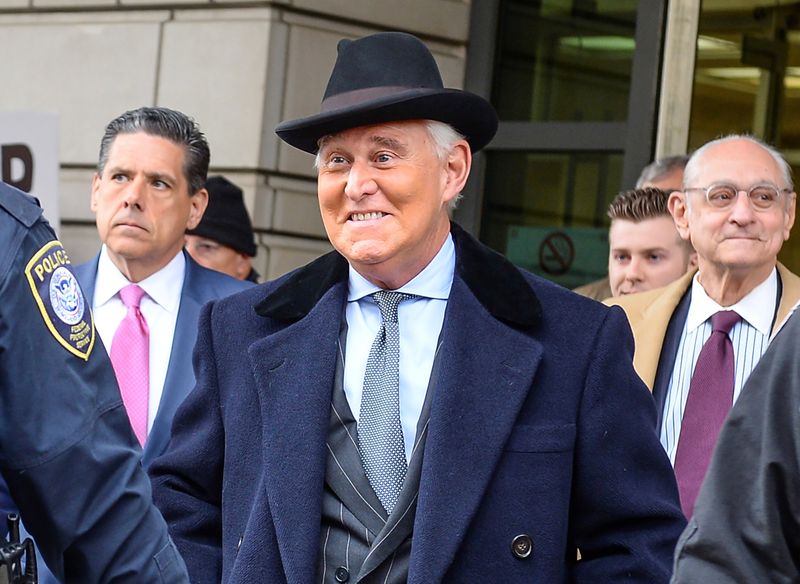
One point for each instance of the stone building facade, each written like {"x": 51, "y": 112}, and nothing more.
{"x": 237, "y": 66}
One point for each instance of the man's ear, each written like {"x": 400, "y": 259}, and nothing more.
{"x": 456, "y": 171}
{"x": 791, "y": 207}
{"x": 94, "y": 194}
{"x": 199, "y": 202}
{"x": 679, "y": 209}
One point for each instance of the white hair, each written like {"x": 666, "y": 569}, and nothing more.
{"x": 444, "y": 138}
{"x": 695, "y": 161}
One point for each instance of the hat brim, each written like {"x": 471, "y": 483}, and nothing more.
{"x": 468, "y": 113}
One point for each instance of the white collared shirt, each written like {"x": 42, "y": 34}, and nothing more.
{"x": 750, "y": 338}
{"x": 420, "y": 321}
{"x": 159, "y": 306}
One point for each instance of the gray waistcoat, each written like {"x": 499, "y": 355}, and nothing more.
{"x": 358, "y": 542}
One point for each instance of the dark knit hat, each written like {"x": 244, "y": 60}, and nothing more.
{"x": 389, "y": 77}
{"x": 226, "y": 220}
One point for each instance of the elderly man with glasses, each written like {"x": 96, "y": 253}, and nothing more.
{"x": 698, "y": 339}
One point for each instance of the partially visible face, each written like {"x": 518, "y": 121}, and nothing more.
{"x": 741, "y": 237}
{"x": 142, "y": 203}
{"x": 217, "y": 256}
{"x": 383, "y": 195}
{"x": 645, "y": 255}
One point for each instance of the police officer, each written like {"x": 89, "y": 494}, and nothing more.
{"x": 67, "y": 450}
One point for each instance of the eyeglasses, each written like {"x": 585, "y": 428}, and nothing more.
{"x": 723, "y": 196}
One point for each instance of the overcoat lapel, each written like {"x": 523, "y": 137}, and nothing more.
{"x": 790, "y": 295}
{"x": 487, "y": 372}
{"x": 294, "y": 373}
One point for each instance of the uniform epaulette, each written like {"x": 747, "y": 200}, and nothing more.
{"x": 23, "y": 207}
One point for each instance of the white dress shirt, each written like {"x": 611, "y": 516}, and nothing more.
{"x": 159, "y": 306}
{"x": 749, "y": 337}
{"x": 420, "y": 321}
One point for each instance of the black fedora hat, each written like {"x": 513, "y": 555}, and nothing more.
{"x": 388, "y": 77}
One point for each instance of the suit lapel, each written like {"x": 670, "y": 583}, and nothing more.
{"x": 87, "y": 274}
{"x": 179, "y": 380}
{"x": 294, "y": 372}
{"x": 668, "y": 355}
{"x": 486, "y": 373}
{"x": 649, "y": 314}
{"x": 344, "y": 472}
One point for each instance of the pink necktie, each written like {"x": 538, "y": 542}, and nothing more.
{"x": 710, "y": 398}
{"x": 130, "y": 355}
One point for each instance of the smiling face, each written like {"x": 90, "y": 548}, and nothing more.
{"x": 645, "y": 255}
{"x": 383, "y": 195}
{"x": 739, "y": 242}
{"x": 142, "y": 203}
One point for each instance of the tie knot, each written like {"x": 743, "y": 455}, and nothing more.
{"x": 724, "y": 320}
{"x": 388, "y": 301}
{"x": 131, "y": 295}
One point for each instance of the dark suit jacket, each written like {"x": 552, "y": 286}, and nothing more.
{"x": 200, "y": 285}
{"x": 538, "y": 426}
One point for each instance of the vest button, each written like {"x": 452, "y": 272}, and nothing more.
{"x": 522, "y": 546}
{"x": 342, "y": 574}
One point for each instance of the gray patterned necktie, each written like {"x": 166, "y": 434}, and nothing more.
{"x": 380, "y": 433}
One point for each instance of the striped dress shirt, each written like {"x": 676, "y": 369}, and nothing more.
{"x": 749, "y": 337}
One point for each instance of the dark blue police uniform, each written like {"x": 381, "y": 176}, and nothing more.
{"x": 67, "y": 451}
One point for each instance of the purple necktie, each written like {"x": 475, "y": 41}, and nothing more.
{"x": 130, "y": 355}
{"x": 709, "y": 401}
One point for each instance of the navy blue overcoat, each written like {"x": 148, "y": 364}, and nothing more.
{"x": 538, "y": 426}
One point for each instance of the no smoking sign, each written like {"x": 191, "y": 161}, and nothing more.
{"x": 556, "y": 254}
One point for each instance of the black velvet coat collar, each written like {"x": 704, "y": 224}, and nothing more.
{"x": 496, "y": 283}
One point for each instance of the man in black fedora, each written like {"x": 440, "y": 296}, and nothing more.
{"x": 412, "y": 407}
{"x": 224, "y": 239}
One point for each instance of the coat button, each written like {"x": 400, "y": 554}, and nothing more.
{"x": 342, "y": 574}
{"x": 522, "y": 546}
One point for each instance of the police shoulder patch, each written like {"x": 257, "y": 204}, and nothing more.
{"x": 60, "y": 299}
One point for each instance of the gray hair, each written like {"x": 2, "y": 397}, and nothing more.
{"x": 164, "y": 123}
{"x": 444, "y": 138}
{"x": 695, "y": 161}
{"x": 660, "y": 168}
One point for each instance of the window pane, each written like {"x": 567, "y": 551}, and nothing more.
{"x": 547, "y": 211}
{"x": 564, "y": 60}
{"x": 747, "y": 80}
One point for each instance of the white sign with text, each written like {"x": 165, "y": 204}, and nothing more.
{"x": 29, "y": 157}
